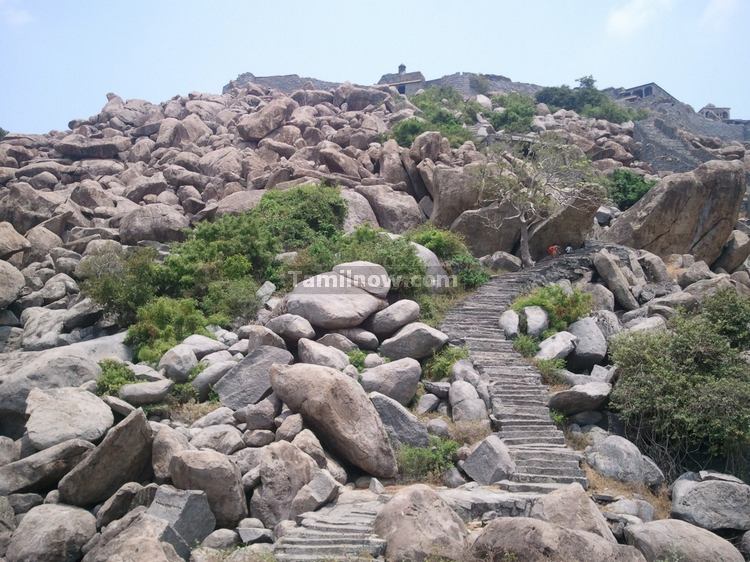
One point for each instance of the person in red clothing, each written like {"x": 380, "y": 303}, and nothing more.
{"x": 553, "y": 251}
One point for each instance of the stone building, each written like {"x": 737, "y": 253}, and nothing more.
{"x": 710, "y": 111}
{"x": 404, "y": 82}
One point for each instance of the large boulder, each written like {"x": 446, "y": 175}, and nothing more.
{"x": 248, "y": 382}
{"x": 336, "y": 408}
{"x": 396, "y": 379}
{"x": 455, "y": 190}
{"x": 359, "y": 211}
{"x": 712, "y": 501}
{"x": 416, "y": 340}
{"x": 255, "y": 126}
{"x": 320, "y": 354}
{"x": 43, "y": 470}
{"x": 689, "y": 213}
{"x": 489, "y": 462}
{"x": 396, "y": 211}
{"x": 735, "y": 252}
{"x": 332, "y": 301}
{"x": 419, "y": 525}
{"x": 532, "y": 540}
{"x": 571, "y": 507}
{"x": 591, "y": 347}
{"x": 581, "y": 398}
{"x": 491, "y": 229}
{"x": 284, "y": 470}
{"x": 218, "y": 476}
{"x": 616, "y": 457}
{"x": 121, "y": 457}
{"x": 390, "y": 319}
{"x": 50, "y": 533}
{"x": 56, "y": 415}
{"x": 11, "y": 241}
{"x": 187, "y": 511}
{"x": 670, "y": 539}
{"x": 403, "y": 427}
{"x": 11, "y": 283}
{"x": 157, "y": 222}
{"x": 607, "y": 267}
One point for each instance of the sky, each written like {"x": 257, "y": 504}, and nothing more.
{"x": 59, "y": 58}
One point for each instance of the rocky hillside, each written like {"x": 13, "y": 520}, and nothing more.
{"x": 169, "y": 390}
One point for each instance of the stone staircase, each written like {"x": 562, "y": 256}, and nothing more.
{"x": 664, "y": 150}
{"x": 519, "y": 398}
{"x": 343, "y": 531}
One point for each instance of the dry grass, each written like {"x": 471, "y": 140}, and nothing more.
{"x": 577, "y": 440}
{"x": 603, "y": 485}
{"x": 469, "y": 432}
{"x": 190, "y": 411}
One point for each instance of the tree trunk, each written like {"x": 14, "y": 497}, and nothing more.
{"x": 525, "y": 254}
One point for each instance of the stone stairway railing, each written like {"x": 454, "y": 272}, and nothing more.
{"x": 519, "y": 398}
{"x": 343, "y": 531}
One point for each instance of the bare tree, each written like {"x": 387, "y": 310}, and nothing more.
{"x": 532, "y": 179}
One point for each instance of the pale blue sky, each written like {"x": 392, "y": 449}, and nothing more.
{"x": 58, "y": 58}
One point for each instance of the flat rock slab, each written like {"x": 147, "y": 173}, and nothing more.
{"x": 249, "y": 382}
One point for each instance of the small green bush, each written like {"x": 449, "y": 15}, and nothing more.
{"x": 587, "y": 101}
{"x": 445, "y": 244}
{"x": 518, "y": 115}
{"x": 440, "y": 364}
{"x": 626, "y": 188}
{"x": 562, "y": 308}
{"x": 468, "y": 271}
{"x": 550, "y": 371}
{"x": 419, "y": 463}
{"x": 526, "y": 345}
{"x": 405, "y": 131}
{"x": 443, "y": 110}
{"x": 231, "y": 302}
{"x": 114, "y": 376}
{"x": 558, "y": 418}
{"x": 357, "y": 358}
{"x": 162, "y": 324}
{"x": 3, "y": 133}
{"x": 184, "y": 392}
{"x": 729, "y": 313}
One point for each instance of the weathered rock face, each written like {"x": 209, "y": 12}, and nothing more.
{"x": 691, "y": 213}
{"x": 539, "y": 541}
{"x": 618, "y": 458}
{"x": 660, "y": 540}
{"x": 57, "y": 415}
{"x": 49, "y": 533}
{"x": 402, "y": 426}
{"x": 255, "y": 126}
{"x": 332, "y": 301}
{"x": 715, "y": 502}
{"x": 490, "y": 462}
{"x": 419, "y": 525}
{"x": 121, "y": 457}
{"x": 11, "y": 283}
{"x": 337, "y": 410}
{"x": 396, "y": 379}
{"x": 216, "y": 475}
{"x": 158, "y": 222}
{"x": 581, "y": 398}
{"x": 416, "y": 340}
{"x": 571, "y": 507}
{"x": 395, "y": 211}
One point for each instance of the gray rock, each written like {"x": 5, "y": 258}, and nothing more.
{"x": 218, "y": 477}
{"x": 559, "y": 346}
{"x": 319, "y": 491}
{"x": 178, "y": 361}
{"x": 263, "y": 335}
{"x": 397, "y": 315}
{"x": 734, "y": 253}
{"x": 291, "y": 327}
{"x": 258, "y": 437}
{"x": 362, "y": 338}
{"x": 402, "y": 426}
{"x": 396, "y": 379}
{"x": 439, "y": 427}
{"x": 289, "y": 428}
{"x": 608, "y": 268}
{"x": 489, "y": 462}
{"x": 57, "y": 415}
{"x": 415, "y": 340}
{"x": 395, "y": 211}
{"x": 537, "y": 320}
{"x": 221, "y": 415}
{"x": 209, "y": 376}
{"x": 510, "y": 324}
{"x": 187, "y": 511}
{"x": 580, "y": 398}
{"x": 129, "y": 496}
{"x": 43, "y": 470}
{"x": 106, "y": 468}
{"x": 260, "y": 415}
{"x": 142, "y": 393}
{"x": 670, "y": 538}
{"x": 203, "y": 345}
{"x": 222, "y": 438}
{"x": 249, "y": 381}
{"x": 502, "y": 261}
{"x": 332, "y": 301}
{"x": 591, "y": 347}
{"x": 571, "y": 507}
{"x": 601, "y": 297}
{"x": 696, "y": 272}
{"x": 221, "y": 539}
{"x": 21, "y": 503}
{"x": 427, "y": 403}
{"x": 11, "y": 283}
{"x": 339, "y": 342}
{"x": 157, "y": 222}
{"x": 49, "y": 533}
{"x": 167, "y": 443}
{"x": 340, "y": 414}
{"x": 417, "y": 525}
{"x": 320, "y": 354}
{"x": 369, "y": 276}
{"x": 616, "y": 457}
{"x": 712, "y": 504}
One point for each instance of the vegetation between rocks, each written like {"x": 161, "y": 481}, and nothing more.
{"x": 427, "y": 463}
{"x": 563, "y": 307}
{"x": 440, "y": 364}
{"x": 626, "y": 188}
{"x": 114, "y": 376}
{"x": 518, "y": 115}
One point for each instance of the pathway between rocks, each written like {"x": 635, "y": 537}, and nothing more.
{"x": 519, "y": 398}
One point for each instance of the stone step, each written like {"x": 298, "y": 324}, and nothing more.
{"x": 552, "y": 471}
{"x": 510, "y": 441}
{"x": 326, "y": 552}
{"x": 535, "y": 432}
{"x": 525, "y": 478}
{"x": 526, "y": 422}
{"x": 529, "y": 487}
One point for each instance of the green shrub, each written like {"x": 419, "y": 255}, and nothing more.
{"x": 184, "y": 392}
{"x": 162, "y": 324}
{"x": 434, "y": 306}
{"x": 562, "y": 308}
{"x": 626, "y": 188}
{"x": 558, "y": 418}
{"x": 357, "y": 358}
{"x": 729, "y": 313}
{"x": 683, "y": 393}
{"x": 445, "y": 244}
{"x": 231, "y": 302}
{"x": 3, "y": 133}
{"x": 479, "y": 83}
{"x": 122, "y": 282}
{"x": 550, "y": 371}
{"x": 405, "y": 131}
{"x": 114, "y": 376}
{"x": 443, "y": 110}
{"x": 440, "y": 364}
{"x": 526, "y": 345}
{"x": 587, "y": 101}
{"x": 468, "y": 271}
{"x": 419, "y": 463}
{"x": 518, "y": 115}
